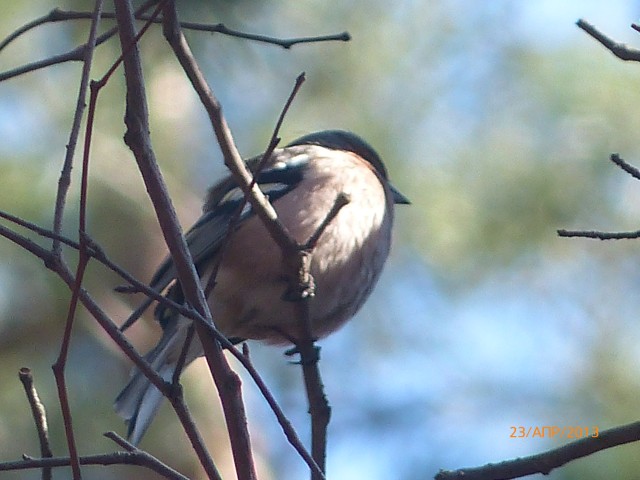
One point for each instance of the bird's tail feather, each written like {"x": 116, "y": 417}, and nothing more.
{"x": 140, "y": 400}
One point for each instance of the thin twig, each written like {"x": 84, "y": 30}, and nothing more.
{"x": 630, "y": 169}
{"x": 137, "y": 457}
{"x": 284, "y": 43}
{"x": 39, "y": 417}
{"x": 341, "y": 200}
{"x": 620, "y": 50}
{"x": 547, "y": 461}
{"x": 284, "y": 422}
{"x": 59, "y": 366}
{"x": 232, "y": 158}
{"x": 58, "y": 15}
{"x": 96, "y": 252}
{"x": 65, "y": 175}
{"x": 600, "y": 235}
{"x": 74, "y": 55}
{"x": 273, "y": 143}
{"x": 635, "y": 173}
{"x": 319, "y": 408}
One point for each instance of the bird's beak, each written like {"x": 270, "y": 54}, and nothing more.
{"x": 398, "y": 197}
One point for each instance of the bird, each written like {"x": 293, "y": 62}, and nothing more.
{"x": 248, "y": 296}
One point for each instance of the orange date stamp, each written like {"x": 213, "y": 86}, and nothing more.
{"x": 551, "y": 431}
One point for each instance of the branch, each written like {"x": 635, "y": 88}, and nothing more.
{"x": 297, "y": 257}
{"x": 134, "y": 457}
{"x": 58, "y": 15}
{"x": 59, "y": 366}
{"x": 630, "y": 169}
{"x": 39, "y": 417}
{"x": 172, "y": 393}
{"x": 551, "y": 459}
{"x": 284, "y": 43}
{"x": 635, "y": 173}
{"x": 75, "y": 55}
{"x": 620, "y": 50}
{"x": 319, "y": 408}
{"x": 599, "y": 235}
{"x": 227, "y": 381}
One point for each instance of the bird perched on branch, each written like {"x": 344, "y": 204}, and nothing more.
{"x": 247, "y": 300}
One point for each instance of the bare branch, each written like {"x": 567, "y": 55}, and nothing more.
{"x": 60, "y": 365}
{"x": 75, "y": 55}
{"x": 620, "y": 50}
{"x": 138, "y": 140}
{"x": 284, "y": 422}
{"x": 635, "y": 173}
{"x": 137, "y": 457}
{"x": 39, "y": 416}
{"x": 600, "y": 235}
{"x": 227, "y": 381}
{"x": 284, "y": 43}
{"x": 551, "y": 459}
{"x": 630, "y": 169}
{"x": 58, "y": 15}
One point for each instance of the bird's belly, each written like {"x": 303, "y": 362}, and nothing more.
{"x": 248, "y": 300}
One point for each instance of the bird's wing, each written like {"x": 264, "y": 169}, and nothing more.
{"x": 283, "y": 172}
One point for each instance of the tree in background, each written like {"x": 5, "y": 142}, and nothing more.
{"x": 486, "y": 319}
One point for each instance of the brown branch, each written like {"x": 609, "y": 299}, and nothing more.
{"x": 75, "y": 55}
{"x": 58, "y": 15}
{"x": 243, "y": 357}
{"x": 138, "y": 458}
{"x": 65, "y": 175}
{"x": 319, "y": 408}
{"x": 620, "y": 50}
{"x": 138, "y": 140}
{"x": 232, "y": 158}
{"x": 295, "y": 255}
{"x": 284, "y": 422}
{"x": 132, "y": 456}
{"x": 284, "y": 43}
{"x": 95, "y": 251}
{"x": 227, "y": 381}
{"x": 145, "y": 458}
{"x": 341, "y": 200}
{"x": 47, "y": 462}
{"x": 39, "y": 417}
{"x": 60, "y": 365}
{"x": 551, "y": 459}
